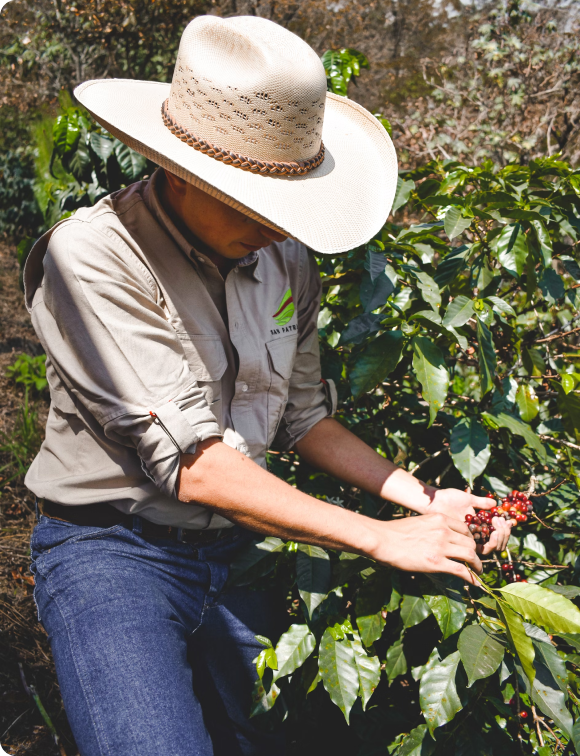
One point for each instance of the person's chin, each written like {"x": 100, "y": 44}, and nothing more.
{"x": 249, "y": 248}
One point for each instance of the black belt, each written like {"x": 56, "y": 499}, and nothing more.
{"x": 106, "y": 516}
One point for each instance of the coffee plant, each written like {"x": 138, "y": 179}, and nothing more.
{"x": 452, "y": 337}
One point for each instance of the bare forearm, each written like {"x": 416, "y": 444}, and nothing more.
{"x": 231, "y": 484}
{"x": 335, "y": 450}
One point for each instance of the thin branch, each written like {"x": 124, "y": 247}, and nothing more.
{"x": 557, "y": 336}
{"x": 550, "y": 490}
{"x": 552, "y": 440}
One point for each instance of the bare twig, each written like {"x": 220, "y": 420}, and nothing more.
{"x": 550, "y": 490}
{"x": 537, "y": 723}
{"x": 569, "y": 444}
{"x": 557, "y": 336}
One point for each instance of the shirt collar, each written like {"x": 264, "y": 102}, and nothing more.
{"x": 153, "y": 202}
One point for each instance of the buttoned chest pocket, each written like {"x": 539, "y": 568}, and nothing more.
{"x": 281, "y": 357}
{"x": 207, "y": 362}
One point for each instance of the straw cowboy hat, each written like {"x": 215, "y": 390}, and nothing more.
{"x": 247, "y": 118}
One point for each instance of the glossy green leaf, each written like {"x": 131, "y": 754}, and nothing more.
{"x": 572, "y": 267}
{"x": 547, "y": 655}
{"x": 569, "y": 406}
{"x": 369, "y": 671}
{"x": 459, "y": 311}
{"x": 528, "y": 403}
{"x": 568, "y": 383}
{"x": 264, "y": 696}
{"x": 429, "y": 366}
{"x": 395, "y": 663}
{"x": 449, "y": 612}
{"x": 414, "y": 610}
{"x": 376, "y": 361}
{"x": 547, "y": 691}
{"x": 313, "y": 574}
{"x": 371, "y": 627}
{"x": 338, "y": 671}
{"x": 293, "y": 648}
{"x": 132, "y": 163}
{"x": 451, "y": 266}
{"x": 266, "y": 658}
{"x": 102, "y": 145}
{"x": 551, "y": 285}
{"x": 417, "y": 743}
{"x": 481, "y": 652}
{"x": 255, "y": 561}
{"x": 486, "y": 356}
{"x": 361, "y": 328}
{"x": 403, "y": 192}
{"x": 66, "y": 133}
{"x": 429, "y": 289}
{"x": 544, "y": 240}
{"x": 512, "y": 249}
{"x": 501, "y": 306}
{"x": 519, "y": 639}
{"x": 555, "y": 613}
{"x": 470, "y": 448}
{"x": 438, "y": 694}
{"x": 374, "y": 293}
{"x": 533, "y": 362}
{"x": 455, "y": 224}
{"x": 503, "y": 420}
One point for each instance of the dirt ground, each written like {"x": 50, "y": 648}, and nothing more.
{"x": 25, "y": 660}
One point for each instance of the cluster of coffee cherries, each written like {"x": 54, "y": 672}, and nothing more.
{"x": 509, "y": 571}
{"x": 516, "y": 508}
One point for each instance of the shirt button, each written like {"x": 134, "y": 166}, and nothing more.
{"x": 244, "y": 386}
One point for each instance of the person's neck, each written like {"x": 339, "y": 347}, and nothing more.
{"x": 223, "y": 264}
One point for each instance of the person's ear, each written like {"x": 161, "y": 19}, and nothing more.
{"x": 176, "y": 185}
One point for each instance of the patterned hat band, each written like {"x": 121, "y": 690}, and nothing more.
{"x": 269, "y": 167}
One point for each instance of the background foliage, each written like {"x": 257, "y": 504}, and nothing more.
{"x": 453, "y": 339}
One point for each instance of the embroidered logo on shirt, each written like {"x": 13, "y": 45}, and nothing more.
{"x": 286, "y": 309}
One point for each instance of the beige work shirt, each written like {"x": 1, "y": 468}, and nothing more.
{"x": 141, "y": 334}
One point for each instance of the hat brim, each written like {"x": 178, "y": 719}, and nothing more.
{"x": 336, "y": 207}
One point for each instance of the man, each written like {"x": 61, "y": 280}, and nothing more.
{"x": 179, "y": 321}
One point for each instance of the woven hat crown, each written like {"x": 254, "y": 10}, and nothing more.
{"x": 249, "y": 86}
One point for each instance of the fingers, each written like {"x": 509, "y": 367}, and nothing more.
{"x": 468, "y": 555}
{"x": 482, "y": 502}
{"x": 459, "y": 570}
{"x": 457, "y": 525}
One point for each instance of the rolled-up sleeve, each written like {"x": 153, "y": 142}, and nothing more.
{"x": 310, "y": 398}
{"x": 110, "y": 342}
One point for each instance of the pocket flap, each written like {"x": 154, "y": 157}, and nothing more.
{"x": 282, "y": 354}
{"x": 62, "y": 401}
{"x": 205, "y": 356}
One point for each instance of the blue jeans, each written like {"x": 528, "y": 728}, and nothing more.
{"x": 153, "y": 656}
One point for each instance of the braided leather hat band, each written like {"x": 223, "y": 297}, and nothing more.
{"x": 270, "y": 167}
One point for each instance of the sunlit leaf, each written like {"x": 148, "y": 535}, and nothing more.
{"x": 512, "y": 249}
{"x": 555, "y": 613}
{"x": 487, "y": 356}
{"x": 338, "y": 671}
{"x": 374, "y": 364}
{"x": 369, "y": 671}
{"x": 528, "y": 403}
{"x": 455, "y": 223}
{"x": 293, "y": 648}
{"x": 519, "y": 639}
{"x": 470, "y": 448}
{"x": 395, "y": 663}
{"x": 432, "y": 373}
{"x": 414, "y": 610}
{"x": 481, "y": 652}
{"x": 438, "y": 694}
{"x": 418, "y": 743}
{"x": 312, "y": 575}
{"x": 459, "y": 311}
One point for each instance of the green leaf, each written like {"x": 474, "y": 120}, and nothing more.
{"x": 486, "y": 355}
{"x": 339, "y": 671}
{"x": 264, "y": 696}
{"x": 576, "y": 735}
{"x": 255, "y": 561}
{"x": 396, "y": 663}
{"x": 503, "y": 420}
{"x": 371, "y": 627}
{"x": 458, "y": 312}
{"x": 547, "y": 655}
{"x": 438, "y": 694}
{"x": 569, "y": 406}
{"x": 501, "y": 306}
{"x": 375, "y": 362}
{"x": 429, "y": 289}
{"x": 293, "y": 648}
{"x": 66, "y": 133}
{"x": 528, "y": 403}
{"x": 568, "y": 383}
{"x": 371, "y": 598}
{"x": 416, "y": 744}
{"x": 544, "y": 241}
{"x": 451, "y": 266}
{"x": 533, "y": 362}
{"x": 519, "y": 639}
{"x": 481, "y": 652}
{"x": 572, "y": 267}
{"x": 312, "y": 575}
{"x": 455, "y": 223}
{"x": 414, "y": 610}
{"x": 449, "y": 613}
{"x": 102, "y": 145}
{"x": 546, "y": 690}
{"x": 266, "y": 658}
{"x": 404, "y": 189}
{"x": 512, "y": 249}
{"x": 369, "y": 671}
{"x": 551, "y": 285}
{"x": 374, "y": 293}
{"x": 429, "y": 366}
{"x": 555, "y": 613}
{"x": 131, "y": 163}
{"x": 470, "y": 448}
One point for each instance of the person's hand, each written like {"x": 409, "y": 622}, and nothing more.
{"x": 428, "y": 543}
{"x": 455, "y": 503}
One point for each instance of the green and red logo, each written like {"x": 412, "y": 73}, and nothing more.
{"x": 286, "y": 309}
